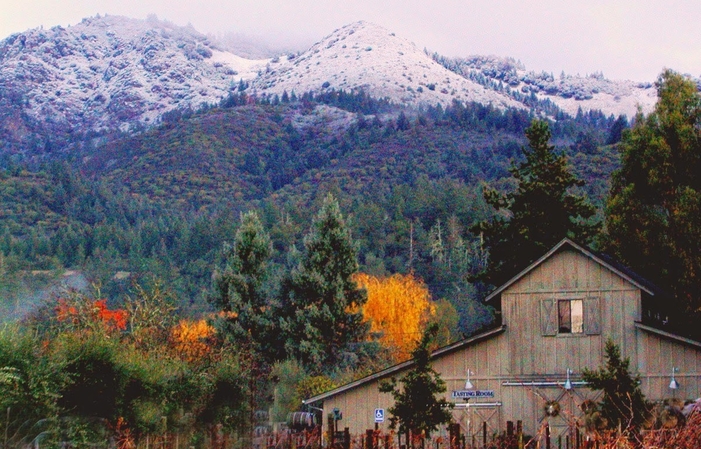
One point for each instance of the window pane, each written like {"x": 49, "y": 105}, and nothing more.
{"x": 577, "y": 307}
{"x": 565, "y": 323}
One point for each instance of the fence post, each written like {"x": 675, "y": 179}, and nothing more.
{"x": 484, "y": 434}
{"x": 454, "y": 430}
{"x": 346, "y": 438}
{"x": 331, "y": 430}
{"x": 547, "y": 436}
{"x": 519, "y": 433}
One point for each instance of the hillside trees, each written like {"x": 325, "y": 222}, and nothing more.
{"x": 541, "y": 211}
{"x": 321, "y": 305}
{"x": 654, "y": 209}
{"x": 77, "y": 373}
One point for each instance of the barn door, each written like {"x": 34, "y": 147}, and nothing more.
{"x": 563, "y": 411}
{"x": 472, "y": 422}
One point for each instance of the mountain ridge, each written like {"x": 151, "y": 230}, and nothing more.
{"x": 111, "y": 73}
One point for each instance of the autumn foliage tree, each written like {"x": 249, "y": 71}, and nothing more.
{"x": 397, "y": 309}
{"x": 79, "y": 312}
{"x": 191, "y": 339}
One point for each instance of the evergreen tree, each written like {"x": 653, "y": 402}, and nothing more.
{"x": 623, "y": 405}
{"x": 321, "y": 314}
{"x": 654, "y": 209}
{"x": 240, "y": 289}
{"x": 542, "y": 211}
{"x": 416, "y": 408}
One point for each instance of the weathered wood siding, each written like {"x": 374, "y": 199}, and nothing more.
{"x": 657, "y": 356}
{"x": 358, "y": 406}
{"x": 615, "y": 304}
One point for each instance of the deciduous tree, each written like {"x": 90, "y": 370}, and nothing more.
{"x": 397, "y": 309}
{"x": 653, "y": 213}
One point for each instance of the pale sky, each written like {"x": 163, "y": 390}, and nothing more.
{"x": 624, "y": 39}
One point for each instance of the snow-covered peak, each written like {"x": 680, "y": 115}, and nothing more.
{"x": 366, "y": 57}
{"x": 112, "y": 71}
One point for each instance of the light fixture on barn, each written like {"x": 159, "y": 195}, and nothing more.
{"x": 468, "y": 384}
{"x": 568, "y": 383}
{"x": 674, "y": 385}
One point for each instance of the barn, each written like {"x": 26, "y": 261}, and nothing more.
{"x": 555, "y": 318}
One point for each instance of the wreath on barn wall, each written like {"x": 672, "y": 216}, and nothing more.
{"x": 552, "y": 408}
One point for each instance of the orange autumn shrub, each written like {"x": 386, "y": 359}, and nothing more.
{"x": 190, "y": 339}
{"x": 78, "y": 312}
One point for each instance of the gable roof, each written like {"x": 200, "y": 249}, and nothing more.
{"x": 605, "y": 261}
{"x": 404, "y": 365}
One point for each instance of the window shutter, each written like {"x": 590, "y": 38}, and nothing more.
{"x": 548, "y": 317}
{"x": 592, "y": 316}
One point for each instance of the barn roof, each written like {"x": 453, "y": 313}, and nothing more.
{"x": 601, "y": 259}
{"x": 404, "y": 365}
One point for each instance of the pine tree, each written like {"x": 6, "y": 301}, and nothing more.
{"x": 654, "y": 209}
{"x": 542, "y": 211}
{"x": 623, "y": 405}
{"x": 240, "y": 289}
{"x": 416, "y": 408}
{"x": 321, "y": 305}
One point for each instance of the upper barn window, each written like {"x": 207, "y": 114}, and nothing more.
{"x": 570, "y": 316}
{"x": 570, "y": 313}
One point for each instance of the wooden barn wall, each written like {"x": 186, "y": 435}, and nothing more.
{"x": 657, "y": 356}
{"x": 567, "y": 275}
{"x": 358, "y": 406}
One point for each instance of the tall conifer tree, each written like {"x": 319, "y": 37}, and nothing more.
{"x": 240, "y": 289}
{"x": 539, "y": 213}
{"x": 320, "y": 303}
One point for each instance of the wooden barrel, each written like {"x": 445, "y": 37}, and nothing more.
{"x": 301, "y": 420}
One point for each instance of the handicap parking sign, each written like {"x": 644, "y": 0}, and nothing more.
{"x": 379, "y": 415}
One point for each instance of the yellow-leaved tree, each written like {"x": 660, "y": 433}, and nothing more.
{"x": 189, "y": 339}
{"x": 398, "y": 309}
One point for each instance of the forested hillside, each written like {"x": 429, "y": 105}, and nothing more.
{"x": 162, "y": 203}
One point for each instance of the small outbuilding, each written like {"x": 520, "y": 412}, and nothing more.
{"x": 555, "y": 319}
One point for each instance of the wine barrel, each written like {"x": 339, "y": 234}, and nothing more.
{"x": 301, "y": 420}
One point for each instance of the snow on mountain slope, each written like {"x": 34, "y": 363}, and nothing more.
{"x": 367, "y": 57}
{"x": 113, "y": 71}
{"x": 569, "y": 93}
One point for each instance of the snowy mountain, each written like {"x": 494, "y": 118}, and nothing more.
{"x": 367, "y": 57}
{"x": 113, "y": 72}
{"x": 569, "y": 93}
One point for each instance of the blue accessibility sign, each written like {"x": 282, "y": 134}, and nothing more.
{"x": 379, "y": 415}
